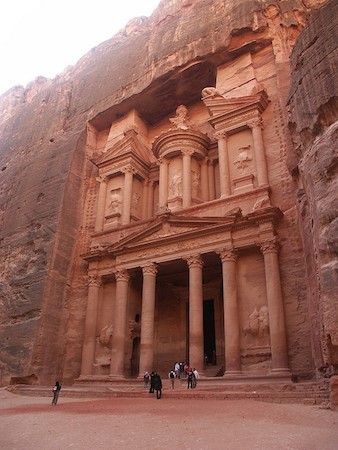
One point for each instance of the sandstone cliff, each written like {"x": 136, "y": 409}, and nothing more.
{"x": 45, "y": 171}
{"x": 313, "y": 160}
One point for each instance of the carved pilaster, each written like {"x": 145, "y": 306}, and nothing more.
{"x": 94, "y": 281}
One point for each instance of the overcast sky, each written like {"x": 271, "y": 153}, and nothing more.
{"x": 43, "y": 37}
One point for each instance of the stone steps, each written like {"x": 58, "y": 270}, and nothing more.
{"x": 275, "y": 392}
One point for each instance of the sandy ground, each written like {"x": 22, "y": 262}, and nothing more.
{"x": 32, "y": 423}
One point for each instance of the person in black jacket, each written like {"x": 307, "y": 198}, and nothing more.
{"x": 152, "y": 379}
{"x": 158, "y": 385}
{"x": 56, "y": 392}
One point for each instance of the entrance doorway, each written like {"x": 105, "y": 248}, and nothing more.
{"x": 209, "y": 330}
{"x": 135, "y": 357}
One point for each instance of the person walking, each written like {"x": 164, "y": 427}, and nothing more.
{"x": 172, "y": 377}
{"x": 56, "y": 391}
{"x": 191, "y": 377}
{"x": 158, "y": 385}
{"x": 196, "y": 376}
{"x": 152, "y": 382}
{"x": 146, "y": 378}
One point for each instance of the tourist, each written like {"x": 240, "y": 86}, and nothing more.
{"x": 177, "y": 369}
{"x": 152, "y": 382}
{"x": 146, "y": 379}
{"x": 181, "y": 370}
{"x": 191, "y": 377}
{"x": 172, "y": 377}
{"x": 158, "y": 385}
{"x": 186, "y": 370}
{"x": 196, "y": 376}
{"x": 56, "y": 391}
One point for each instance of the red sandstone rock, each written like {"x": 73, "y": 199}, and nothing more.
{"x": 52, "y": 131}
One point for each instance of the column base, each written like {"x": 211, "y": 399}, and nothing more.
{"x": 231, "y": 373}
{"x": 116, "y": 377}
{"x": 281, "y": 371}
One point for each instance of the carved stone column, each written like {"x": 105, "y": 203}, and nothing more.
{"x": 150, "y": 209}
{"x": 119, "y": 325}
{"x": 101, "y": 203}
{"x": 89, "y": 342}
{"x": 127, "y": 193}
{"x": 278, "y": 343}
{"x": 257, "y": 137}
{"x": 145, "y": 198}
{"x": 163, "y": 187}
{"x": 224, "y": 173}
{"x": 204, "y": 180}
{"x": 147, "y": 319}
{"x": 187, "y": 154}
{"x": 231, "y": 314}
{"x": 196, "y": 340}
{"x": 211, "y": 180}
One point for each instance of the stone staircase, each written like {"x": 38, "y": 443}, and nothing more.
{"x": 217, "y": 388}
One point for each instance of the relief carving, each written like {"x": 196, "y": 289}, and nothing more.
{"x": 195, "y": 182}
{"x": 175, "y": 186}
{"x": 258, "y": 323}
{"x": 105, "y": 338}
{"x": 115, "y": 201}
{"x": 243, "y": 159}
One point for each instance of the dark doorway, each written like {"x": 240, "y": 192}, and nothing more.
{"x": 135, "y": 357}
{"x": 209, "y": 330}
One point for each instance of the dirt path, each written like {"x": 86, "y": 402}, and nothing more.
{"x": 28, "y": 423}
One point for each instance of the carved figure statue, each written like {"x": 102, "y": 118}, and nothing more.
{"x": 195, "y": 183}
{"x": 210, "y": 92}
{"x": 181, "y": 120}
{"x": 243, "y": 158}
{"x": 175, "y": 185}
{"x": 105, "y": 337}
{"x": 115, "y": 201}
{"x": 258, "y": 323}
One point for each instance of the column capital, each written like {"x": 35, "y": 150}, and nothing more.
{"x": 228, "y": 254}
{"x": 128, "y": 168}
{"x": 194, "y": 261}
{"x": 187, "y": 151}
{"x": 220, "y": 135}
{"x": 94, "y": 280}
{"x": 122, "y": 275}
{"x": 270, "y": 246}
{"x": 162, "y": 160}
{"x": 102, "y": 179}
{"x": 257, "y": 122}
{"x": 150, "y": 269}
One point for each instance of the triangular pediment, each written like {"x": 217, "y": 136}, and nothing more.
{"x": 218, "y": 105}
{"x": 168, "y": 228}
{"x": 130, "y": 145}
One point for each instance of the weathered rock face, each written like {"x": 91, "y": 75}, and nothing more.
{"x": 313, "y": 160}
{"x": 51, "y": 131}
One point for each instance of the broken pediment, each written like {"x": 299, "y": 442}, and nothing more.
{"x": 223, "y": 109}
{"x": 130, "y": 145}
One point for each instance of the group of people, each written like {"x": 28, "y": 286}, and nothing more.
{"x": 155, "y": 382}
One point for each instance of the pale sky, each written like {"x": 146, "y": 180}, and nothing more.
{"x": 43, "y": 37}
